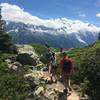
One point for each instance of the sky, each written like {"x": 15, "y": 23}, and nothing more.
{"x": 84, "y": 10}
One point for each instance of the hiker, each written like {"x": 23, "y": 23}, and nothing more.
{"x": 51, "y": 63}
{"x": 53, "y": 68}
{"x": 66, "y": 67}
{"x": 61, "y": 50}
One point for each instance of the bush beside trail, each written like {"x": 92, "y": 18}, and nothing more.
{"x": 87, "y": 69}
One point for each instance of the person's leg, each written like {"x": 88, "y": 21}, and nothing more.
{"x": 49, "y": 65}
{"x": 64, "y": 79}
{"x": 68, "y": 85}
{"x": 51, "y": 71}
{"x": 54, "y": 74}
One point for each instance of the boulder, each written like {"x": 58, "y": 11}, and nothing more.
{"x": 26, "y": 59}
{"x": 27, "y": 49}
{"x": 8, "y": 61}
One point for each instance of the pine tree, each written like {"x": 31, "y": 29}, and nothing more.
{"x": 6, "y": 43}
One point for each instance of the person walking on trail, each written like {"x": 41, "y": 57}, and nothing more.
{"x": 53, "y": 68}
{"x": 66, "y": 67}
{"x": 51, "y": 57}
{"x": 61, "y": 50}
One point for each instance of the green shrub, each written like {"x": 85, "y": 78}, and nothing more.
{"x": 87, "y": 69}
{"x": 13, "y": 86}
{"x": 39, "y": 49}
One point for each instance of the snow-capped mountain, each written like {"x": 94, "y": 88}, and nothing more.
{"x": 60, "y": 32}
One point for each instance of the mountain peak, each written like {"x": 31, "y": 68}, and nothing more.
{"x": 61, "y": 32}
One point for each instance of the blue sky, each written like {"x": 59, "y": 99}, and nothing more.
{"x": 84, "y": 10}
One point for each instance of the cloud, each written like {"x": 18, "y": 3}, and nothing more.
{"x": 98, "y": 14}
{"x": 82, "y": 15}
{"x": 15, "y": 13}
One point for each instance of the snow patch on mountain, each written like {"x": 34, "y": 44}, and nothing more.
{"x": 80, "y": 40}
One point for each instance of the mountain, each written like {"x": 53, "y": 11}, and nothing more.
{"x": 60, "y": 32}
{"x": 65, "y": 36}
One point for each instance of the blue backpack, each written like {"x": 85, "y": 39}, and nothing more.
{"x": 49, "y": 56}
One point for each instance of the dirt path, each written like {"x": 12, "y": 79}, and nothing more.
{"x": 73, "y": 96}
{"x": 59, "y": 87}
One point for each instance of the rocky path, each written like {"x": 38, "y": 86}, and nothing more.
{"x": 73, "y": 96}
{"x": 54, "y": 88}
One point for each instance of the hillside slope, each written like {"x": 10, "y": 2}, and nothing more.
{"x": 87, "y": 69}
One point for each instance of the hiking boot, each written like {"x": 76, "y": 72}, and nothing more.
{"x": 69, "y": 93}
{"x": 65, "y": 91}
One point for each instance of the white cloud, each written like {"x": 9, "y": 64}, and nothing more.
{"x": 98, "y": 14}
{"x": 17, "y": 14}
{"x": 82, "y": 15}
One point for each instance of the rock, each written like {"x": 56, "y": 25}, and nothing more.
{"x": 8, "y": 61}
{"x": 27, "y": 49}
{"x": 26, "y": 59}
{"x": 39, "y": 91}
{"x": 36, "y": 81}
{"x": 55, "y": 91}
{"x": 33, "y": 67}
{"x": 17, "y": 64}
{"x": 39, "y": 66}
{"x": 27, "y": 55}
{"x": 14, "y": 67}
{"x": 84, "y": 97}
{"x": 44, "y": 69}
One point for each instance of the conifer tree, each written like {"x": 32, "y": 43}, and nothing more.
{"x": 6, "y": 43}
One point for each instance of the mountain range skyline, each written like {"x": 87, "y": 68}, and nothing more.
{"x": 58, "y": 32}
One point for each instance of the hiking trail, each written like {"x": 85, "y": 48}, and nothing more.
{"x": 51, "y": 88}
{"x": 74, "y": 96}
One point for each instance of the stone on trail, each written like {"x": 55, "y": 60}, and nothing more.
{"x": 39, "y": 91}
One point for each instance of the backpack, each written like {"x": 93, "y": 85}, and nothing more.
{"x": 49, "y": 56}
{"x": 67, "y": 65}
